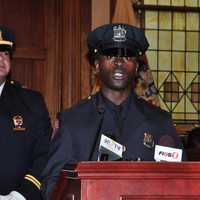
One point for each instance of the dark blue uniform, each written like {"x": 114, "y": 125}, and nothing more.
{"x": 25, "y": 130}
{"x": 143, "y": 126}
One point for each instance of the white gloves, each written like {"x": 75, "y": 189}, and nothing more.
{"x": 14, "y": 195}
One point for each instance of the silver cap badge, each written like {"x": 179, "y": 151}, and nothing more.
{"x": 119, "y": 33}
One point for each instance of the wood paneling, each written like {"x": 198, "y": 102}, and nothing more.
{"x": 26, "y": 19}
{"x": 85, "y": 29}
{"x": 50, "y": 47}
{"x": 31, "y": 53}
{"x": 71, "y": 53}
{"x": 76, "y": 72}
{"x": 53, "y": 44}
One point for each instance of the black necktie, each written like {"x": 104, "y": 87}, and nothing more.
{"x": 119, "y": 119}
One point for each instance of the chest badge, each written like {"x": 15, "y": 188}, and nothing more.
{"x": 148, "y": 140}
{"x": 18, "y": 123}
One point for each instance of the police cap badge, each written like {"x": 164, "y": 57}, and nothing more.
{"x": 112, "y": 39}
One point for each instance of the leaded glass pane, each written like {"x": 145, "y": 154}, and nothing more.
{"x": 180, "y": 78}
{"x": 150, "y": 2}
{"x": 190, "y": 78}
{"x": 164, "y": 60}
{"x": 178, "y": 61}
{"x": 152, "y": 38}
{"x": 155, "y": 76}
{"x": 178, "y": 21}
{"x": 180, "y": 116}
{"x": 190, "y": 107}
{"x": 180, "y": 105}
{"x": 191, "y": 3}
{"x": 171, "y": 91}
{"x": 152, "y": 59}
{"x": 191, "y": 61}
{"x": 164, "y": 2}
{"x": 178, "y": 40}
{"x": 192, "y": 21}
{"x": 162, "y": 77}
{"x": 165, "y": 20}
{"x": 151, "y": 19}
{"x": 191, "y": 41}
{"x": 195, "y": 90}
{"x": 191, "y": 116}
{"x": 165, "y": 40}
{"x": 163, "y": 104}
{"x": 177, "y": 2}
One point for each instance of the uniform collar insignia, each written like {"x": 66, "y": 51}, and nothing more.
{"x": 148, "y": 140}
{"x": 119, "y": 33}
{"x": 18, "y": 123}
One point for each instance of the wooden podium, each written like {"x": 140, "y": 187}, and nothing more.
{"x": 130, "y": 181}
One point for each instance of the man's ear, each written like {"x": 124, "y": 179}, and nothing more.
{"x": 137, "y": 65}
{"x": 96, "y": 64}
{"x": 96, "y": 68}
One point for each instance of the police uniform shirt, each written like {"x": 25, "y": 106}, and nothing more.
{"x": 25, "y": 131}
{"x": 113, "y": 117}
{"x": 117, "y": 121}
{"x": 81, "y": 126}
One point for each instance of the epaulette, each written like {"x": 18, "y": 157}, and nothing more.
{"x": 85, "y": 100}
{"x": 89, "y": 97}
{"x": 17, "y": 84}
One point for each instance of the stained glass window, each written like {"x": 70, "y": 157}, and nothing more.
{"x": 173, "y": 30}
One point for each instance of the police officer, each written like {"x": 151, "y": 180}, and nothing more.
{"x": 24, "y": 132}
{"x": 114, "y": 111}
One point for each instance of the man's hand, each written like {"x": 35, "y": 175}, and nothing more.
{"x": 14, "y": 195}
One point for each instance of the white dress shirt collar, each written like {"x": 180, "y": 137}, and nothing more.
{"x": 1, "y": 87}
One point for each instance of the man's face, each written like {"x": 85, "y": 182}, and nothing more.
{"x": 4, "y": 65}
{"x": 117, "y": 73}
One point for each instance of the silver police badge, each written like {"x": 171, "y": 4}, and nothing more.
{"x": 148, "y": 140}
{"x": 119, "y": 33}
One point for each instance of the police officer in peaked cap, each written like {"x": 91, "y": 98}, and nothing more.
{"x": 115, "y": 111}
{"x": 24, "y": 131}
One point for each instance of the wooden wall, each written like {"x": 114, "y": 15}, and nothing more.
{"x": 51, "y": 47}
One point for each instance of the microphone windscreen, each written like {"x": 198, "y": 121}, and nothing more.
{"x": 167, "y": 141}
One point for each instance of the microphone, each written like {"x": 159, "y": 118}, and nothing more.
{"x": 109, "y": 149}
{"x": 165, "y": 150}
{"x": 167, "y": 141}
